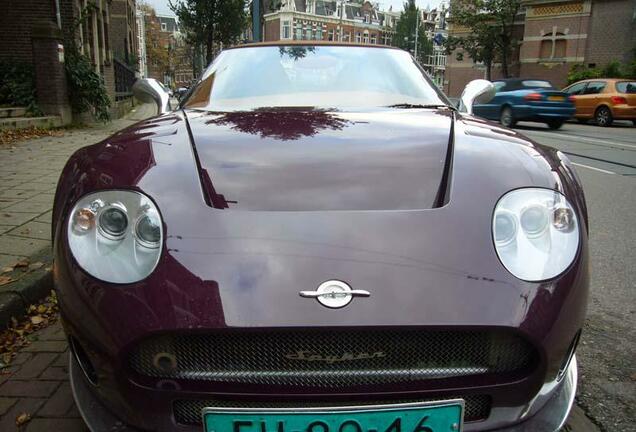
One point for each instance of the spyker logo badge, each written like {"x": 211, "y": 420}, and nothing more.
{"x": 334, "y": 294}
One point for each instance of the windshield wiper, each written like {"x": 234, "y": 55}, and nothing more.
{"x": 410, "y": 105}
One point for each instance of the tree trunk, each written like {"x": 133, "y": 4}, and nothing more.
{"x": 504, "y": 61}
{"x": 489, "y": 71}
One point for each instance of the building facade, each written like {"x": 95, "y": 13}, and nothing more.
{"x": 95, "y": 36}
{"x": 175, "y": 68}
{"x": 555, "y": 35}
{"x": 329, "y": 20}
{"x": 435, "y": 23}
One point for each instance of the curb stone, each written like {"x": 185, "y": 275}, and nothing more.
{"x": 28, "y": 288}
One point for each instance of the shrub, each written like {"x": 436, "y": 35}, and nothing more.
{"x": 17, "y": 86}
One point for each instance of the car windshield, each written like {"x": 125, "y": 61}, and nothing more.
{"x": 327, "y": 77}
{"x": 537, "y": 84}
{"x": 626, "y": 87}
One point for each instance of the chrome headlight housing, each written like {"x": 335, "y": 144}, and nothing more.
{"x": 536, "y": 233}
{"x": 116, "y": 235}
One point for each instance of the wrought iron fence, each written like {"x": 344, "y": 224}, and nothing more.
{"x": 124, "y": 80}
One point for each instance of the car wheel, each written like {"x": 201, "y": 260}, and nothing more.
{"x": 603, "y": 116}
{"x": 507, "y": 118}
{"x": 555, "y": 124}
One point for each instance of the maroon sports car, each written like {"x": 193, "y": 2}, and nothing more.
{"x": 316, "y": 240}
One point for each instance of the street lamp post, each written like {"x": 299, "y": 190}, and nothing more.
{"x": 417, "y": 28}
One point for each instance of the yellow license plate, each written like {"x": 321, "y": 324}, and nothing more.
{"x": 556, "y": 98}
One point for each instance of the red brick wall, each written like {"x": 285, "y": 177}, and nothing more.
{"x": 17, "y": 18}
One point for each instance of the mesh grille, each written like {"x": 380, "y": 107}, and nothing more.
{"x": 329, "y": 359}
{"x": 477, "y": 407}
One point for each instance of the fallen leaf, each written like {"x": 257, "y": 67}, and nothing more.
{"x": 22, "y": 419}
{"x": 35, "y": 320}
{"x": 42, "y": 309}
{"x": 22, "y": 263}
{"x": 6, "y": 280}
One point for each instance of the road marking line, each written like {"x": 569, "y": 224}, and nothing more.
{"x": 581, "y": 138}
{"x": 593, "y": 168}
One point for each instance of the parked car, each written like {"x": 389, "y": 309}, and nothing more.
{"x": 321, "y": 251}
{"x": 520, "y": 99}
{"x": 604, "y": 100}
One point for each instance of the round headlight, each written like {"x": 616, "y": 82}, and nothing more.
{"x": 548, "y": 240}
{"x": 105, "y": 243}
{"x": 113, "y": 221}
{"x": 505, "y": 228}
{"x": 148, "y": 230}
{"x": 534, "y": 220}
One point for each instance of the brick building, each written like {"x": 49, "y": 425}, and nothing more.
{"x": 553, "y": 36}
{"x": 177, "y": 70}
{"x": 330, "y": 20}
{"x": 23, "y": 21}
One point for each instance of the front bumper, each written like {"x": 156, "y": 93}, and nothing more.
{"x": 556, "y": 397}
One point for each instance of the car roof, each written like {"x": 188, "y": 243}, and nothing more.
{"x": 520, "y": 79}
{"x": 283, "y": 43}
{"x": 603, "y": 79}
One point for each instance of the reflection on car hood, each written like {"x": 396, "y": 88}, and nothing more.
{"x": 308, "y": 159}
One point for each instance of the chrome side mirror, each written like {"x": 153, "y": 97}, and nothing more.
{"x": 476, "y": 91}
{"x": 149, "y": 90}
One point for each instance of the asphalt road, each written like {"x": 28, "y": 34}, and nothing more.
{"x": 605, "y": 160}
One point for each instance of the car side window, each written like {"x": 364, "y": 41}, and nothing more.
{"x": 595, "y": 87}
{"x": 499, "y": 86}
{"x": 576, "y": 89}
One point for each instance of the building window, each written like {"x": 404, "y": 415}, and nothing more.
{"x": 330, "y": 35}
{"x": 374, "y": 39}
{"x": 553, "y": 46}
{"x": 299, "y": 32}
{"x": 366, "y": 38}
{"x": 286, "y": 30}
{"x": 308, "y": 33}
{"x": 319, "y": 33}
{"x": 164, "y": 26}
{"x": 358, "y": 37}
{"x": 367, "y": 18}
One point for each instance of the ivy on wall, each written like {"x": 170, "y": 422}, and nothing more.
{"x": 87, "y": 91}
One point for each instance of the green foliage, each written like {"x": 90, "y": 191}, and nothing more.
{"x": 211, "y": 22}
{"x": 87, "y": 91}
{"x": 613, "y": 69}
{"x": 491, "y": 23}
{"x": 404, "y": 36}
{"x": 17, "y": 86}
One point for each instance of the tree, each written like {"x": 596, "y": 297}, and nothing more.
{"x": 491, "y": 23}
{"x": 404, "y": 36}
{"x": 157, "y": 45}
{"x": 211, "y": 22}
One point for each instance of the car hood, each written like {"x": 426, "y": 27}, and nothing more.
{"x": 315, "y": 160}
{"x": 234, "y": 268}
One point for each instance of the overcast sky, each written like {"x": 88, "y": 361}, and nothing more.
{"x": 161, "y": 6}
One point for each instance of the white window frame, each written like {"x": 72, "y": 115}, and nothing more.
{"x": 286, "y": 30}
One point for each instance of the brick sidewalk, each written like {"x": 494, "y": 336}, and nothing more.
{"x": 29, "y": 171}
{"x": 37, "y": 384}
